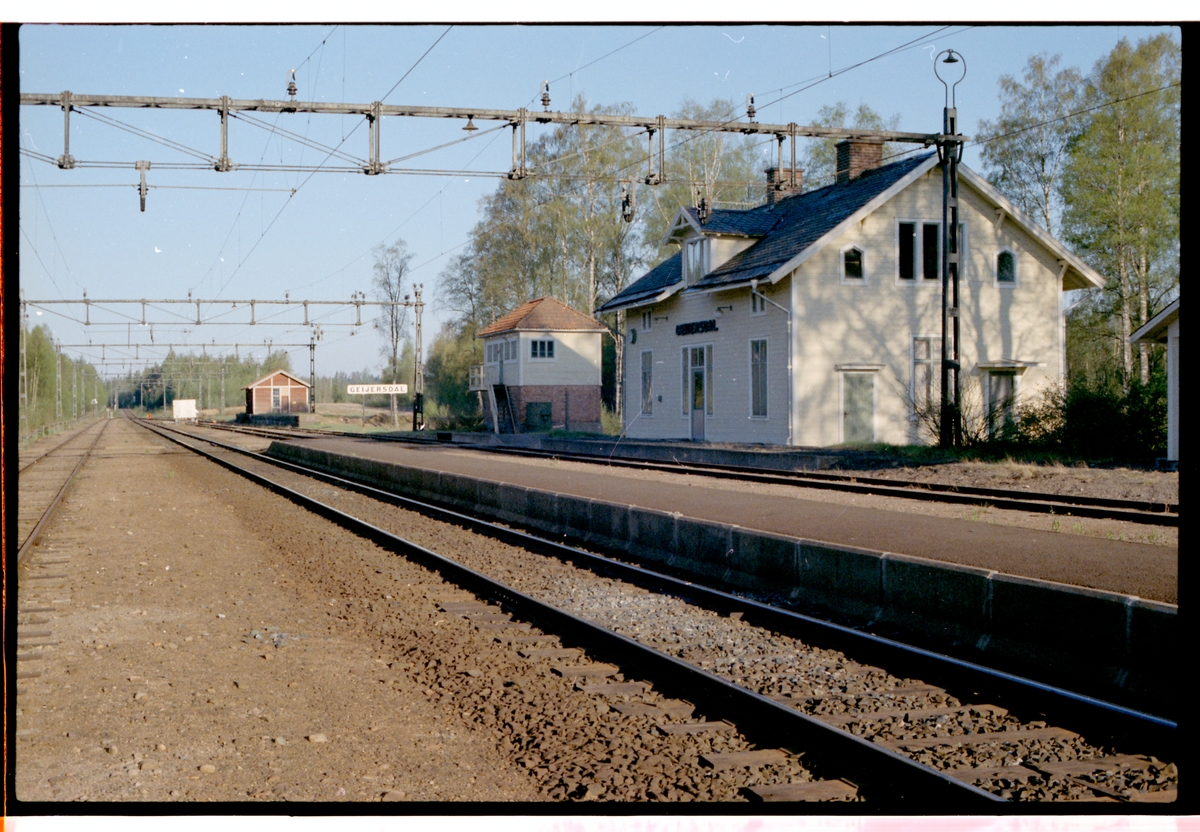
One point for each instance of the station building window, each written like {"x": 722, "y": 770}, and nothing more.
{"x": 758, "y": 378}
{"x": 922, "y": 374}
{"x": 854, "y": 265}
{"x": 647, "y": 383}
{"x": 1006, "y": 268}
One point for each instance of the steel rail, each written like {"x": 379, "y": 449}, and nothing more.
{"x": 1134, "y": 511}
{"x": 1096, "y": 718}
{"x": 42, "y": 456}
{"x": 880, "y": 773}
{"x": 49, "y": 512}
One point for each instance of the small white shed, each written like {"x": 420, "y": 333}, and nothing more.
{"x": 184, "y": 410}
{"x": 1163, "y": 328}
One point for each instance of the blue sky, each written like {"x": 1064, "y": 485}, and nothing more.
{"x": 244, "y": 235}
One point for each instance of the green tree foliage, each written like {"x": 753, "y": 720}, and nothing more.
{"x": 215, "y": 382}
{"x": 56, "y": 396}
{"x": 1121, "y": 188}
{"x": 454, "y": 350}
{"x": 819, "y": 158}
{"x": 1025, "y": 150}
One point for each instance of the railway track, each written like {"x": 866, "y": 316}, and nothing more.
{"x": 1134, "y": 511}
{"x": 793, "y": 708}
{"x": 44, "y": 480}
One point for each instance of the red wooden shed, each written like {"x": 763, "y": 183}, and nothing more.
{"x": 277, "y": 392}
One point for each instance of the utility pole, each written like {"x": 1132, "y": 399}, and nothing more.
{"x": 312, "y": 368}
{"x": 418, "y": 365}
{"x": 949, "y": 146}
{"x": 57, "y": 382}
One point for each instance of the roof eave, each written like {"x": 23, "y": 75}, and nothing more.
{"x": 1086, "y": 276}
{"x": 1155, "y": 329}
{"x": 658, "y": 298}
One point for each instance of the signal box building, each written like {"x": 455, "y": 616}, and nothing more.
{"x": 541, "y": 369}
{"x": 277, "y": 392}
{"x": 815, "y": 319}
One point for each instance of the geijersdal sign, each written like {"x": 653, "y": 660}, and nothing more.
{"x": 372, "y": 389}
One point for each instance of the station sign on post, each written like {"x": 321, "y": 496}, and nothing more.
{"x": 374, "y": 389}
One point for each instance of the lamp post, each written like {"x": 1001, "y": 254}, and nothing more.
{"x": 949, "y": 148}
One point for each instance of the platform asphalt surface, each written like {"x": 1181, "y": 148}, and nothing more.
{"x": 1140, "y": 569}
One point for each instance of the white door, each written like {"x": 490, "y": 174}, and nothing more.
{"x": 858, "y": 408}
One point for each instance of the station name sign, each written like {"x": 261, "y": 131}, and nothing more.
{"x": 696, "y": 328}
{"x": 372, "y": 389}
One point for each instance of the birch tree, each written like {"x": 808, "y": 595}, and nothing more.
{"x": 390, "y": 271}
{"x": 1025, "y": 150}
{"x": 1121, "y": 186}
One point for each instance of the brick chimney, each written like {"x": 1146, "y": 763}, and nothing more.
{"x": 779, "y": 185}
{"x": 855, "y": 157}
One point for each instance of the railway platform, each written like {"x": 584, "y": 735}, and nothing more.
{"x": 993, "y": 540}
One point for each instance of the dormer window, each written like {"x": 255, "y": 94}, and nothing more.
{"x": 695, "y": 260}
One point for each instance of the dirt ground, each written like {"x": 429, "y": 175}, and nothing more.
{"x": 200, "y": 650}
{"x": 1109, "y": 483}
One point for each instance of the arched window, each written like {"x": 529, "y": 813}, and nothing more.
{"x": 1006, "y": 268}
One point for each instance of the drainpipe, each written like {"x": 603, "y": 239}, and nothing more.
{"x": 791, "y": 349}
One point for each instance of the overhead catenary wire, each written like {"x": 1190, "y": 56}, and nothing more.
{"x": 161, "y": 187}
{"x": 145, "y": 134}
{"x": 54, "y": 236}
{"x": 988, "y": 139}
{"x": 237, "y": 217}
{"x": 476, "y": 156}
{"x": 38, "y": 255}
{"x": 302, "y": 140}
{"x": 314, "y": 172}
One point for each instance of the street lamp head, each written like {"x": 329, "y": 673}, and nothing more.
{"x": 952, "y": 57}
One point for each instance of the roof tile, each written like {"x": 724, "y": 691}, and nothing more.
{"x": 544, "y": 315}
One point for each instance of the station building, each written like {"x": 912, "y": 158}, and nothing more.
{"x": 815, "y": 319}
{"x": 541, "y": 369}
{"x": 277, "y": 392}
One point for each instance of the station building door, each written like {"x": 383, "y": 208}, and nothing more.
{"x": 697, "y": 381}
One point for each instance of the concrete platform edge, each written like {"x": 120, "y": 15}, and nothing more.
{"x": 1117, "y": 641}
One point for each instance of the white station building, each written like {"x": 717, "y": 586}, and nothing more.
{"x": 815, "y": 319}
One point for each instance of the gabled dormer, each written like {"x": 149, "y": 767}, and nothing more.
{"x": 707, "y": 245}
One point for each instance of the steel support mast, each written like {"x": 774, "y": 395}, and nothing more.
{"x": 949, "y": 146}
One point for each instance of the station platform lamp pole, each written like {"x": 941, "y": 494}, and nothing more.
{"x": 949, "y": 147}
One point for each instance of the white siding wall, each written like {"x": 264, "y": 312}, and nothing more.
{"x": 730, "y": 420}
{"x": 576, "y": 359}
{"x": 722, "y": 249}
{"x": 874, "y": 323}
